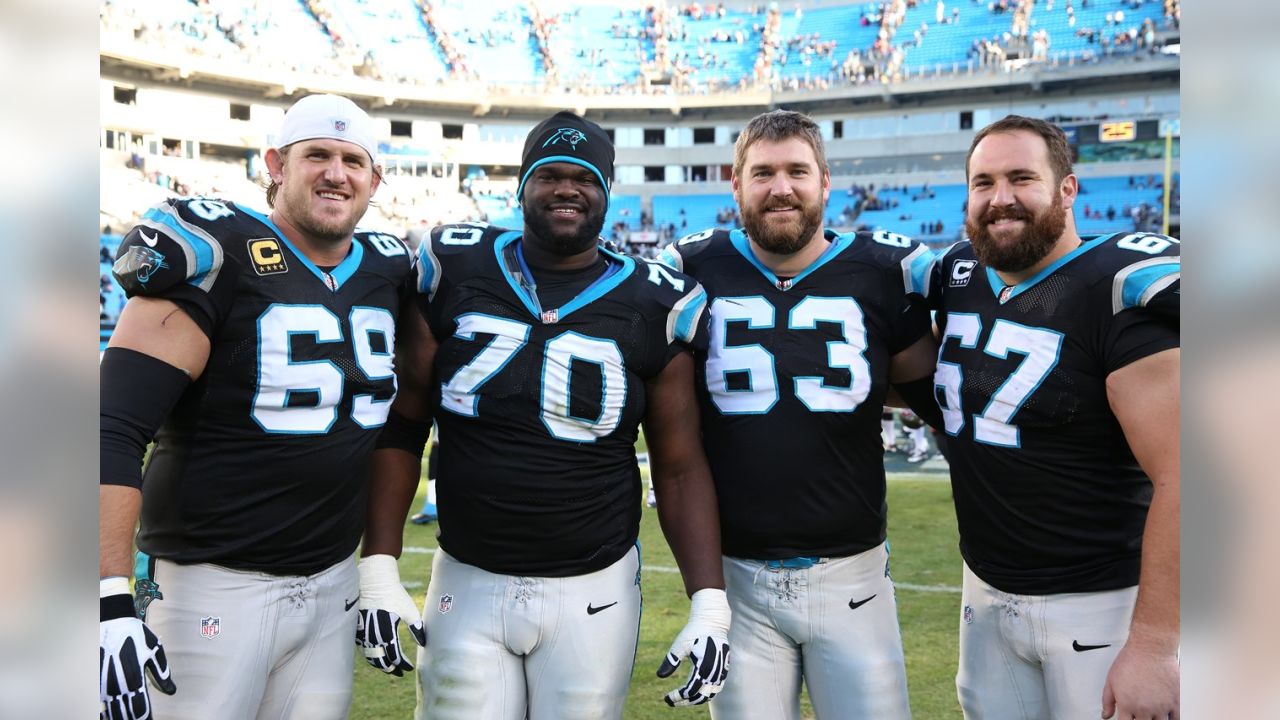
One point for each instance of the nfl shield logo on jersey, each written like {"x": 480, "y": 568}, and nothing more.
{"x": 968, "y": 614}
{"x": 446, "y": 603}
{"x": 210, "y": 627}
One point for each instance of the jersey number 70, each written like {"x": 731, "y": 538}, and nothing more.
{"x": 458, "y": 395}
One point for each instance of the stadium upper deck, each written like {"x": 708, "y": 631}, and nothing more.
{"x": 596, "y": 48}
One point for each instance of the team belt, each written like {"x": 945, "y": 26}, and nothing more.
{"x": 795, "y": 563}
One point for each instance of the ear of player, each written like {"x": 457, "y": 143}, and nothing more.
{"x": 127, "y": 652}
{"x": 705, "y": 641}
{"x": 384, "y": 603}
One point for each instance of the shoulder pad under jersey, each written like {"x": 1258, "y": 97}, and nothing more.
{"x": 446, "y": 241}
{"x": 905, "y": 256}
{"x": 1144, "y": 271}
{"x": 689, "y": 246}
{"x": 179, "y": 240}
{"x": 679, "y": 296}
{"x": 387, "y": 246}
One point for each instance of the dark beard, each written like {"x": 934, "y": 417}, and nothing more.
{"x": 786, "y": 239}
{"x": 562, "y": 244}
{"x": 1037, "y": 240}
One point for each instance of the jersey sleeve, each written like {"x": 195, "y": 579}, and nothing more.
{"x": 945, "y": 267}
{"x": 679, "y": 308}
{"x": 398, "y": 260}
{"x": 451, "y": 254}
{"x": 681, "y": 255}
{"x": 907, "y": 266}
{"x": 687, "y": 321}
{"x": 175, "y": 252}
{"x": 1144, "y": 299}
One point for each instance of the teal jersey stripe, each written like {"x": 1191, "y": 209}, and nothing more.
{"x": 200, "y": 247}
{"x": 1137, "y": 284}
{"x": 687, "y": 316}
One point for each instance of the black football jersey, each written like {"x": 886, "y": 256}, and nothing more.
{"x": 792, "y": 386}
{"x": 1048, "y": 494}
{"x": 262, "y": 463}
{"x": 539, "y": 406}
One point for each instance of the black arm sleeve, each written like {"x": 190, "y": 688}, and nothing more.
{"x": 918, "y": 394}
{"x": 137, "y": 392}
{"x": 404, "y": 433}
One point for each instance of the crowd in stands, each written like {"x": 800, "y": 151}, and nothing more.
{"x": 454, "y": 58}
{"x": 729, "y": 216}
{"x": 686, "y": 48}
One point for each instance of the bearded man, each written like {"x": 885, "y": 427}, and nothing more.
{"x": 1058, "y": 379}
{"x": 809, "y": 329}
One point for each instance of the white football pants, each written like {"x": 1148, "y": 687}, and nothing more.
{"x": 502, "y": 647}
{"x": 1038, "y": 657}
{"x": 252, "y": 645}
{"x": 833, "y": 626}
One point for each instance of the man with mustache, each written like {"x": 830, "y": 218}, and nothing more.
{"x": 1058, "y": 381}
{"x": 548, "y": 352}
{"x": 256, "y": 350}
{"x": 809, "y": 329}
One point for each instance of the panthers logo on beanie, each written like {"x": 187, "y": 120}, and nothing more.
{"x": 572, "y": 136}
{"x": 568, "y": 138}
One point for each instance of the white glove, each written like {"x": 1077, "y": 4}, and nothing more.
{"x": 705, "y": 640}
{"x": 127, "y": 649}
{"x": 383, "y": 604}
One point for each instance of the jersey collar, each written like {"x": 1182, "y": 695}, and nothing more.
{"x": 998, "y": 287}
{"x": 339, "y": 274}
{"x": 743, "y": 245}
{"x": 521, "y": 280}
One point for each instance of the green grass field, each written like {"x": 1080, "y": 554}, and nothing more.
{"x": 925, "y": 565}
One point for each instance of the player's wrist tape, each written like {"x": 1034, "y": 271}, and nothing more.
{"x": 114, "y": 600}
{"x": 405, "y": 434}
{"x": 711, "y": 607}
{"x": 137, "y": 393}
{"x": 379, "y": 570}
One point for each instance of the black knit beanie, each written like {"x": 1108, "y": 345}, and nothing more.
{"x": 567, "y": 138}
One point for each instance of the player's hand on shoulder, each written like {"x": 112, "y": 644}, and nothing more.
{"x": 705, "y": 642}
{"x": 384, "y": 603}
{"x": 1142, "y": 683}
{"x": 128, "y": 651}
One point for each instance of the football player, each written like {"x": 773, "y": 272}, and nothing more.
{"x": 1058, "y": 376}
{"x": 548, "y": 352}
{"x": 257, "y": 351}
{"x": 809, "y": 329}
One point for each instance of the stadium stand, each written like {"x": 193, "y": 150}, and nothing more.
{"x": 692, "y": 213}
{"x": 606, "y": 48}
{"x": 389, "y": 38}
{"x": 598, "y": 48}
